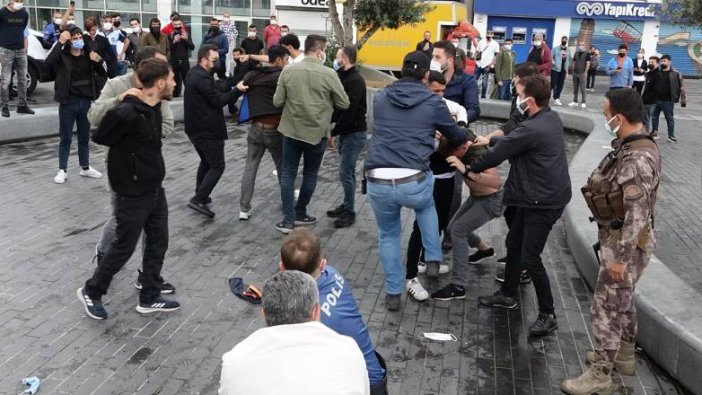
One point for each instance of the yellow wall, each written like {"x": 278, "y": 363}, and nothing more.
{"x": 386, "y": 48}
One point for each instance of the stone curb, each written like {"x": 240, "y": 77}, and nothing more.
{"x": 669, "y": 330}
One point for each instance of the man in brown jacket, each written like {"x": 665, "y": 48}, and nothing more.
{"x": 154, "y": 38}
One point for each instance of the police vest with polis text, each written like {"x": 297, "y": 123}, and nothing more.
{"x": 605, "y": 196}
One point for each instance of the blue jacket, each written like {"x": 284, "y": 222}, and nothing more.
{"x": 51, "y": 33}
{"x": 220, "y": 41}
{"x": 406, "y": 116}
{"x": 556, "y": 56}
{"x": 625, "y": 78}
{"x": 340, "y": 313}
{"x": 463, "y": 89}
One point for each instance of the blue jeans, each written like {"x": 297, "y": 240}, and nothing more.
{"x": 667, "y": 108}
{"x": 485, "y": 72}
{"x": 293, "y": 151}
{"x": 350, "y": 146}
{"x": 74, "y": 111}
{"x": 387, "y": 202}
{"x": 505, "y": 91}
{"x": 648, "y": 116}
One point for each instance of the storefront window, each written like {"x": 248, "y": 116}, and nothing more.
{"x": 51, "y": 3}
{"x": 499, "y": 33}
{"x": 519, "y": 35}
{"x": 262, "y": 8}
{"x": 124, "y": 5}
{"x": 148, "y": 5}
{"x": 201, "y": 7}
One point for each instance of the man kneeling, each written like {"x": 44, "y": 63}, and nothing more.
{"x": 302, "y": 251}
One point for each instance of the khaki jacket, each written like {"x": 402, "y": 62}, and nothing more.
{"x": 148, "y": 40}
{"x": 308, "y": 92}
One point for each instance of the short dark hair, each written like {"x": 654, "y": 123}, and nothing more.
{"x": 134, "y": 19}
{"x": 174, "y": 13}
{"x": 152, "y": 70}
{"x": 204, "y": 51}
{"x": 285, "y": 27}
{"x": 526, "y": 69}
{"x": 623, "y": 46}
{"x": 252, "y": 26}
{"x": 448, "y": 47}
{"x": 437, "y": 76}
{"x": 301, "y": 250}
{"x": 666, "y": 56}
{"x": 508, "y": 39}
{"x": 291, "y": 40}
{"x": 176, "y": 19}
{"x": 538, "y": 87}
{"x": 566, "y": 37}
{"x": 314, "y": 42}
{"x": 238, "y": 49}
{"x": 656, "y": 58}
{"x": 350, "y": 52}
{"x": 146, "y": 53}
{"x": 277, "y": 52}
{"x": 154, "y": 20}
{"x": 626, "y": 102}
{"x": 90, "y": 22}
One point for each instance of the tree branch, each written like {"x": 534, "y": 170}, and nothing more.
{"x": 336, "y": 23}
{"x": 367, "y": 35}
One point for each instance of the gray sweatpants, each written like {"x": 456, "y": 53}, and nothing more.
{"x": 579, "y": 81}
{"x": 473, "y": 213}
{"x": 258, "y": 141}
{"x": 18, "y": 58}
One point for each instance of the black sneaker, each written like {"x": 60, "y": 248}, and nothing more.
{"x": 201, "y": 208}
{"x": 345, "y": 220}
{"x": 306, "y": 220}
{"x": 446, "y": 244}
{"x": 502, "y": 260}
{"x": 544, "y": 325}
{"x": 25, "y": 110}
{"x": 523, "y": 277}
{"x": 93, "y": 307}
{"x": 478, "y": 255}
{"x": 282, "y": 227}
{"x": 392, "y": 302}
{"x": 166, "y": 288}
{"x": 672, "y": 139}
{"x": 336, "y": 212}
{"x": 498, "y": 300}
{"x": 449, "y": 292}
{"x": 433, "y": 269}
{"x": 5, "y": 112}
{"x": 160, "y": 304}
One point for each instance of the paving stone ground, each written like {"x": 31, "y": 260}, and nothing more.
{"x": 47, "y": 242}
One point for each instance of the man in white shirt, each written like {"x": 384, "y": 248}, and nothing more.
{"x": 295, "y": 354}
{"x": 488, "y": 49}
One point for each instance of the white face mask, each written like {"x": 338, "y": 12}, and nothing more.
{"x": 136, "y": 30}
{"x": 537, "y": 43}
{"x": 17, "y": 6}
{"x": 436, "y": 66}
{"x": 442, "y": 337}
{"x": 522, "y": 106}
{"x": 508, "y": 47}
{"x": 608, "y": 127}
{"x": 640, "y": 55}
{"x": 71, "y": 22}
{"x": 274, "y": 22}
{"x": 57, "y": 21}
{"x": 107, "y": 26}
{"x": 252, "y": 34}
{"x": 323, "y": 58}
{"x": 283, "y": 34}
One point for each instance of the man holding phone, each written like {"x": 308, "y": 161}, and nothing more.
{"x": 621, "y": 70}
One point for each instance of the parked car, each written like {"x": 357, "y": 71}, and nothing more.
{"x": 37, "y": 70}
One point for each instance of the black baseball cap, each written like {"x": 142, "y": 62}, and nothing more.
{"x": 416, "y": 60}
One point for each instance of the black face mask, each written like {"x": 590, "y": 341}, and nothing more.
{"x": 564, "y": 43}
{"x": 621, "y": 55}
{"x": 116, "y": 23}
{"x": 665, "y": 67}
{"x": 214, "y": 29}
{"x": 155, "y": 30}
{"x": 178, "y": 30}
{"x": 651, "y": 67}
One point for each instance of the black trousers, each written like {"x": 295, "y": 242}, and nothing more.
{"x": 180, "y": 69}
{"x": 211, "y": 152}
{"x": 591, "y": 74}
{"x": 638, "y": 85}
{"x": 149, "y": 213}
{"x": 526, "y": 240}
{"x": 443, "y": 193}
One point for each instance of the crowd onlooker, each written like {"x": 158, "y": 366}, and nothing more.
{"x": 272, "y": 32}
{"x": 218, "y": 39}
{"x": 670, "y": 90}
{"x": 180, "y": 45}
{"x": 504, "y": 70}
{"x": 594, "y": 66}
{"x": 581, "y": 65}
{"x": 157, "y": 38}
{"x": 620, "y": 69}
{"x": 540, "y": 54}
{"x": 14, "y": 21}
{"x": 560, "y": 56}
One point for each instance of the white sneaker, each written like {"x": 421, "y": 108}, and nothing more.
{"x": 583, "y": 105}
{"x": 297, "y": 194}
{"x": 244, "y": 216}
{"x": 573, "y": 104}
{"x": 557, "y": 102}
{"x": 60, "y": 177}
{"x": 422, "y": 268}
{"x": 416, "y": 291}
{"x": 92, "y": 173}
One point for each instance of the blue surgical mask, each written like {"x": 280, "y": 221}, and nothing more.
{"x": 77, "y": 44}
{"x": 336, "y": 65}
{"x": 608, "y": 127}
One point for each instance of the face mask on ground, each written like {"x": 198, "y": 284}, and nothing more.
{"x": 442, "y": 337}
{"x": 336, "y": 65}
{"x": 252, "y": 34}
{"x": 107, "y": 26}
{"x": 608, "y": 127}
{"x": 537, "y": 43}
{"x": 78, "y": 44}
{"x": 17, "y": 6}
{"x": 436, "y": 66}
{"x": 522, "y": 106}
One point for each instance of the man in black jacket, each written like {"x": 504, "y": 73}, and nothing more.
{"x": 205, "y": 125}
{"x": 75, "y": 87}
{"x": 350, "y": 127}
{"x": 538, "y": 185}
{"x": 101, "y": 46}
{"x": 260, "y": 85}
{"x": 670, "y": 90}
{"x": 136, "y": 170}
{"x": 649, "y": 94}
{"x": 180, "y": 44}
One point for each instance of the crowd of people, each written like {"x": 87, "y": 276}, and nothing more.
{"x": 421, "y": 154}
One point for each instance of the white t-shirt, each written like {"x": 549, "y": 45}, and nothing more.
{"x": 489, "y": 49}
{"x": 458, "y": 112}
{"x": 304, "y": 359}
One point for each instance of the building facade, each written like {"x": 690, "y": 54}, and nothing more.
{"x": 605, "y": 24}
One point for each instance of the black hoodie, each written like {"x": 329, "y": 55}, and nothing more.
{"x": 262, "y": 83}
{"x": 132, "y": 130}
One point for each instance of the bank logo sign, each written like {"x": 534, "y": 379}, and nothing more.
{"x": 615, "y": 10}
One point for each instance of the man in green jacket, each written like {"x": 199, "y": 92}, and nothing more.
{"x": 308, "y": 92}
{"x": 504, "y": 70}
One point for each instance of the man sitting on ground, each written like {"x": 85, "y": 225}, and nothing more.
{"x": 295, "y": 354}
{"x": 302, "y": 251}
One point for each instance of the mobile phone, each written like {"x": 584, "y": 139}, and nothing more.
{"x": 73, "y": 3}
{"x": 619, "y": 68}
